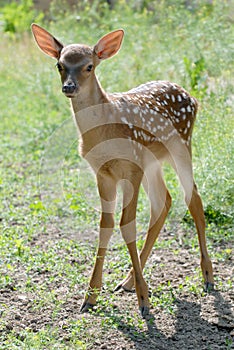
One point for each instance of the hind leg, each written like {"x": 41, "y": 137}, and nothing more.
{"x": 183, "y": 165}
{"x": 160, "y": 201}
{"x": 196, "y": 209}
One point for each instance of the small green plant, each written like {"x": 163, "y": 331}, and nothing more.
{"x": 17, "y": 16}
{"x": 197, "y": 75}
{"x": 213, "y": 216}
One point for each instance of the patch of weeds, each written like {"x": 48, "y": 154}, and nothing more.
{"x": 193, "y": 284}
{"x": 78, "y": 330}
{"x": 224, "y": 254}
{"x": 44, "y": 338}
{"x": 130, "y": 324}
{"x": 219, "y": 225}
{"x": 197, "y": 75}
{"x": 18, "y": 16}
{"x": 7, "y": 282}
{"x": 215, "y": 216}
{"x": 224, "y": 285}
{"x": 163, "y": 297}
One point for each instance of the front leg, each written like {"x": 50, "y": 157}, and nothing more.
{"x": 107, "y": 192}
{"x": 95, "y": 283}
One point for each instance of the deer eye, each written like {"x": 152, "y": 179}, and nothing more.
{"x": 89, "y": 68}
{"x": 60, "y": 68}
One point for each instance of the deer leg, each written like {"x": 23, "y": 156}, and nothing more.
{"x": 141, "y": 285}
{"x": 196, "y": 209}
{"x": 107, "y": 192}
{"x": 160, "y": 201}
{"x": 183, "y": 166}
{"x": 128, "y": 230}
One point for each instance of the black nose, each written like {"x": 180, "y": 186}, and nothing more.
{"x": 69, "y": 88}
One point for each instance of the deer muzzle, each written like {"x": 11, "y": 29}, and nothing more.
{"x": 70, "y": 89}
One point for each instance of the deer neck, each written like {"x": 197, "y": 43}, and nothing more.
{"x": 90, "y": 96}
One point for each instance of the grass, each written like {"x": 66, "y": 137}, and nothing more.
{"x": 49, "y": 224}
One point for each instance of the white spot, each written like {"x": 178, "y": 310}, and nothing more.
{"x": 140, "y": 146}
{"x": 189, "y": 108}
{"x": 135, "y": 110}
{"x": 167, "y": 96}
{"x": 135, "y": 154}
{"x": 184, "y": 116}
{"x": 173, "y": 98}
{"x": 182, "y": 109}
{"x": 188, "y": 124}
{"x": 179, "y": 98}
{"x": 124, "y": 120}
{"x": 152, "y": 119}
{"x": 135, "y": 133}
{"x": 185, "y": 131}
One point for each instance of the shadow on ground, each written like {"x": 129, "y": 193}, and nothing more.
{"x": 192, "y": 330}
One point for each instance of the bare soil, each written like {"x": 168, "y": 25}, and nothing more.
{"x": 198, "y": 322}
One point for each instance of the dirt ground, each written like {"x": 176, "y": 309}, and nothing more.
{"x": 199, "y": 322}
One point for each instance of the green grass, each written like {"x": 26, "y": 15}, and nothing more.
{"x": 44, "y": 220}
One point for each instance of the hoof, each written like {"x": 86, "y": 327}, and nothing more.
{"x": 144, "y": 311}
{"x": 208, "y": 287}
{"x": 117, "y": 288}
{"x": 86, "y": 307}
{"x": 120, "y": 286}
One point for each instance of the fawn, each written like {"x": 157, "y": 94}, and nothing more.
{"x": 126, "y": 137}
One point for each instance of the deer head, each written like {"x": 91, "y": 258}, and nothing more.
{"x": 76, "y": 63}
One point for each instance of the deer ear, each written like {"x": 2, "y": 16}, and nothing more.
{"x": 46, "y": 42}
{"x": 109, "y": 44}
